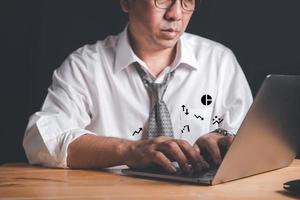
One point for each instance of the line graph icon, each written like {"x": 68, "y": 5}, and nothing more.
{"x": 199, "y": 117}
{"x": 217, "y": 120}
{"x": 185, "y": 128}
{"x": 137, "y": 132}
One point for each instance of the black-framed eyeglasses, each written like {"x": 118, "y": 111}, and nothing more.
{"x": 187, "y": 5}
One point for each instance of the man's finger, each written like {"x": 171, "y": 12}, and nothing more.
{"x": 160, "y": 139}
{"x": 226, "y": 141}
{"x": 197, "y": 149}
{"x": 161, "y": 160}
{"x": 214, "y": 151}
{"x": 174, "y": 152}
{"x": 193, "y": 155}
{"x": 203, "y": 163}
{"x": 224, "y": 144}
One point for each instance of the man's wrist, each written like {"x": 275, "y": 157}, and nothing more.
{"x": 223, "y": 132}
{"x": 126, "y": 150}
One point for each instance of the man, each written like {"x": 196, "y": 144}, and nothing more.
{"x": 151, "y": 95}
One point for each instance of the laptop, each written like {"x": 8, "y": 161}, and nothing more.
{"x": 267, "y": 139}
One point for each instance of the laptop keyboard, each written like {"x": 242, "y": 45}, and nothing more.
{"x": 208, "y": 173}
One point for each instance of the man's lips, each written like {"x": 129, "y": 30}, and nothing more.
{"x": 169, "y": 33}
{"x": 170, "y": 30}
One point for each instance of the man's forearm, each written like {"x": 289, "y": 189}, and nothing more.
{"x": 91, "y": 151}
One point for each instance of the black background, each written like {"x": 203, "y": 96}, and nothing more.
{"x": 36, "y": 36}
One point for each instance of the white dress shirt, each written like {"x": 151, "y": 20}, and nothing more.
{"x": 97, "y": 90}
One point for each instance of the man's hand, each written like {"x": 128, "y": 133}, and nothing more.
{"x": 213, "y": 144}
{"x": 162, "y": 151}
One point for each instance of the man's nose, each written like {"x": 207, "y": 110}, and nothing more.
{"x": 174, "y": 13}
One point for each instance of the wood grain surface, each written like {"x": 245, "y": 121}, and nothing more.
{"x": 22, "y": 181}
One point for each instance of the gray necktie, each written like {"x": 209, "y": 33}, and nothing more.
{"x": 159, "y": 120}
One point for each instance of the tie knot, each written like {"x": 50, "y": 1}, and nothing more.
{"x": 157, "y": 90}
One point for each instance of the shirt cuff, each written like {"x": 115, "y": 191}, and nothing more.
{"x": 47, "y": 142}
{"x": 64, "y": 141}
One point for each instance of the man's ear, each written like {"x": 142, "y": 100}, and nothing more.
{"x": 125, "y": 5}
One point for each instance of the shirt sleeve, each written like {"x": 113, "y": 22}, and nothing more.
{"x": 64, "y": 115}
{"x": 234, "y": 96}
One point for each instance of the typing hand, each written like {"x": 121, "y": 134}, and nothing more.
{"x": 213, "y": 147}
{"x": 162, "y": 151}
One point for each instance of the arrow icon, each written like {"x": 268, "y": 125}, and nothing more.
{"x": 187, "y": 111}
{"x": 137, "y": 132}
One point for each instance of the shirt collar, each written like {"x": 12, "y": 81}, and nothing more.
{"x": 186, "y": 54}
{"x": 125, "y": 55}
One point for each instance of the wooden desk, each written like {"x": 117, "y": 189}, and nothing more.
{"x": 21, "y": 181}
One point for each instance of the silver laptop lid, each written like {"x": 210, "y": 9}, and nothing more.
{"x": 269, "y": 135}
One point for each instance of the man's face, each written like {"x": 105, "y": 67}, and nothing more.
{"x": 154, "y": 27}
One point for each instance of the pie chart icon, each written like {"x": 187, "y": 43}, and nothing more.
{"x": 206, "y": 100}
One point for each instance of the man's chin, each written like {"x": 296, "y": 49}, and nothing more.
{"x": 168, "y": 43}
